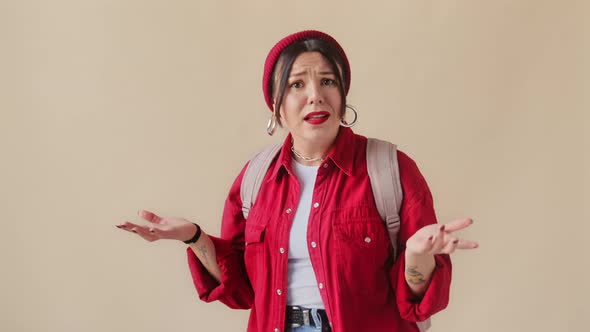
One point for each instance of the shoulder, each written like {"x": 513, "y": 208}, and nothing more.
{"x": 413, "y": 182}
{"x": 234, "y": 194}
{"x": 407, "y": 164}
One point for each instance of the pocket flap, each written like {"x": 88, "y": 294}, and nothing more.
{"x": 254, "y": 233}
{"x": 364, "y": 233}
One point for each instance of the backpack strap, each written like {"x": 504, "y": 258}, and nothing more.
{"x": 383, "y": 170}
{"x": 424, "y": 325}
{"x": 254, "y": 175}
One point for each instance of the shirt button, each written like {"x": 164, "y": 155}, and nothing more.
{"x": 326, "y": 165}
{"x": 316, "y": 204}
{"x": 368, "y": 239}
{"x": 321, "y": 285}
{"x": 282, "y": 250}
{"x": 279, "y": 292}
{"x": 276, "y": 329}
{"x": 288, "y": 210}
{"x": 313, "y": 244}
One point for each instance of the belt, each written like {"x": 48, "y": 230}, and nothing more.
{"x": 299, "y": 316}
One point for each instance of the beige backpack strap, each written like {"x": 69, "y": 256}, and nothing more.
{"x": 424, "y": 325}
{"x": 254, "y": 175}
{"x": 383, "y": 169}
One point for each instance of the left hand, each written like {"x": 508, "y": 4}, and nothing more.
{"x": 439, "y": 239}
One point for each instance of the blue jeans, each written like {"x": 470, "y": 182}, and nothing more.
{"x": 306, "y": 328}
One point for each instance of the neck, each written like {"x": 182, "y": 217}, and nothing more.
{"x": 310, "y": 150}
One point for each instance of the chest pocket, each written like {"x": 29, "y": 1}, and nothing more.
{"x": 254, "y": 233}
{"x": 362, "y": 249}
{"x": 255, "y": 228}
{"x": 365, "y": 234}
{"x": 359, "y": 226}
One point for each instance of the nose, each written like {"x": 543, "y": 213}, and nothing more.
{"x": 315, "y": 94}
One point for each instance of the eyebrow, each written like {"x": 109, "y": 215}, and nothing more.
{"x": 329, "y": 72}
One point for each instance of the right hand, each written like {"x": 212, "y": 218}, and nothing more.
{"x": 172, "y": 228}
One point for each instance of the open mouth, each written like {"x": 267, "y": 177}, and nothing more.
{"x": 316, "y": 116}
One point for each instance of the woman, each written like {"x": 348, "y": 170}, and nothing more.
{"x": 313, "y": 253}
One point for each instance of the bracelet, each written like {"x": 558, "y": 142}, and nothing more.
{"x": 195, "y": 237}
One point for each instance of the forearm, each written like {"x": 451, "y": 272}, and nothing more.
{"x": 204, "y": 249}
{"x": 418, "y": 272}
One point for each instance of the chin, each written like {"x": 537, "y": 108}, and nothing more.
{"x": 320, "y": 135}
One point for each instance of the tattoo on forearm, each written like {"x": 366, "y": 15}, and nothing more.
{"x": 413, "y": 276}
{"x": 205, "y": 255}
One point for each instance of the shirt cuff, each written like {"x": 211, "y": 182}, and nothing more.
{"x": 436, "y": 297}
{"x": 233, "y": 290}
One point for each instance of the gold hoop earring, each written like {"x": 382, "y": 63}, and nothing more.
{"x": 271, "y": 125}
{"x": 345, "y": 124}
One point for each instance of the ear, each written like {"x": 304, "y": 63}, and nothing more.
{"x": 280, "y": 116}
{"x": 281, "y": 113}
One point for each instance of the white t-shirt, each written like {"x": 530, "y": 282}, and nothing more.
{"x": 302, "y": 286}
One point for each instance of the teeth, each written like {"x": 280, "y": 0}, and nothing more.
{"x": 317, "y": 116}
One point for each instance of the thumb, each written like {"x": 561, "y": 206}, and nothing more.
{"x": 149, "y": 216}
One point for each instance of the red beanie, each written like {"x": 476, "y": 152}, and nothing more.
{"x": 275, "y": 52}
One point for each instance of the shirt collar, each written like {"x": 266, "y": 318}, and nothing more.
{"x": 341, "y": 154}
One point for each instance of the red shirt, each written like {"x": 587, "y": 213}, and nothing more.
{"x": 349, "y": 247}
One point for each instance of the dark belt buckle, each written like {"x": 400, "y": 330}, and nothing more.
{"x": 305, "y": 315}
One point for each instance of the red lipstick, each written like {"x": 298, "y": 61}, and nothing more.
{"x": 316, "y": 118}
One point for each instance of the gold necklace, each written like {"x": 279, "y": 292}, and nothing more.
{"x": 298, "y": 155}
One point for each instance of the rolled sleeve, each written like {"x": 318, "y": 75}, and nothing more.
{"x": 234, "y": 289}
{"x": 436, "y": 297}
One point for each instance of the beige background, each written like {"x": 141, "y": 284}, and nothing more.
{"x": 111, "y": 106}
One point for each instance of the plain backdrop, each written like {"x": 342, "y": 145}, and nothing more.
{"x": 108, "y": 107}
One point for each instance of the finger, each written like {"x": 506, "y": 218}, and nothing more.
{"x": 125, "y": 229}
{"x": 427, "y": 244}
{"x": 450, "y": 247}
{"x": 160, "y": 233}
{"x": 466, "y": 244}
{"x": 152, "y": 228}
{"x": 145, "y": 234}
{"x": 149, "y": 216}
{"x": 127, "y": 225}
{"x": 131, "y": 227}
{"x": 438, "y": 242}
{"x": 458, "y": 224}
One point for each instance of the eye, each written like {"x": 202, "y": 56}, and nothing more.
{"x": 296, "y": 85}
{"x": 328, "y": 82}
